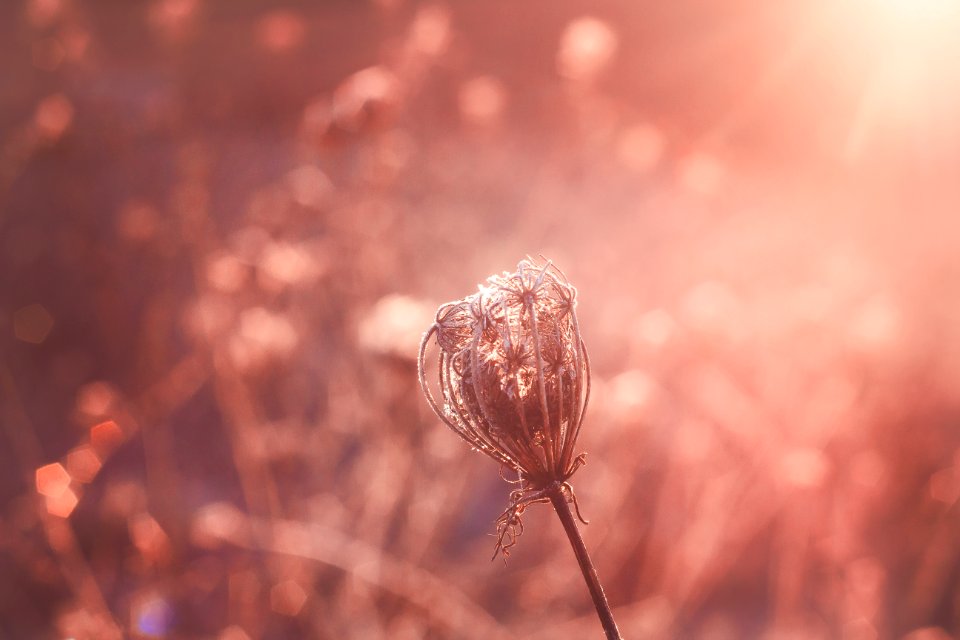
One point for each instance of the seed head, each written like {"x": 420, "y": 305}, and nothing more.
{"x": 514, "y": 377}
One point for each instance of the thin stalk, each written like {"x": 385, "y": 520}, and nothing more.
{"x": 562, "y": 507}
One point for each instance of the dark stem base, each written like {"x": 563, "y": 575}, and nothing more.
{"x": 562, "y": 507}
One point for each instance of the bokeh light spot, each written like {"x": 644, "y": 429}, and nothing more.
{"x": 928, "y": 633}
{"x": 430, "y": 33}
{"x": 281, "y": 31}
{"x": 172, "y": 16}
{"x": 283, "y": 264}
{"x": 53, "y": 117}
{"x": 586, "y": 48}
{"x": 364, "y": 99}
{"x": 215, "y": 523}
{"x": 655, "y": 327}
{"x": 41, "y": 13}
{"x": 148, "y": 537}
{"x": 83, "y": 463}
{"x": 208, "y": 318}
{"x": 859, "y": 629}
{"x": 225, "y": 272}
{"x": 945, "y": 486}
{"x": 630, "y": 392}
{"x": 309, "y": 185}
{"x": 287, "y": 598}
{"x": 138, "y": 221}
{"x": 52, "y": 480}
{"x": 482, "y": 100}
{"x": 32, "y": 324}
{"x": 152, "y": 616}
{"x": 105, "y": 437}
{"x": 805, "y": 467}
{"x": 75, "y": 41}
{"x": 62, "y": 505}
{"x": 262, "y": 335}
{"x": 96, "y": 398}
{"x": 233, "y": 632}
{"x": 395, "y": 325}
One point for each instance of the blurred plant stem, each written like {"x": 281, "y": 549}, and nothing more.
{"x": 559, "y": 500}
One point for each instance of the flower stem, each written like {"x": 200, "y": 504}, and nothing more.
{"x": 559, "y": 500}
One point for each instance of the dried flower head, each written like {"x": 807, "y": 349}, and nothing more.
{"x": 514, "y": 380}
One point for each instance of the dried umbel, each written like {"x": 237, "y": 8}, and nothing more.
{"x": 513, "y": 372}
{"x": 514, "y": 380}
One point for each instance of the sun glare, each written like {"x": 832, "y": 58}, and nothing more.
{"x": 910, "y": 24}
{"x": 917, "y": 11}
{"x": 909, "y": 84}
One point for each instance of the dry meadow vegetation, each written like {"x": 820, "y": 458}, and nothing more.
{"x": 225, "y": 226}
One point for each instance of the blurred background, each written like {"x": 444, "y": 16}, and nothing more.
{"x": 224, "y": 227}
